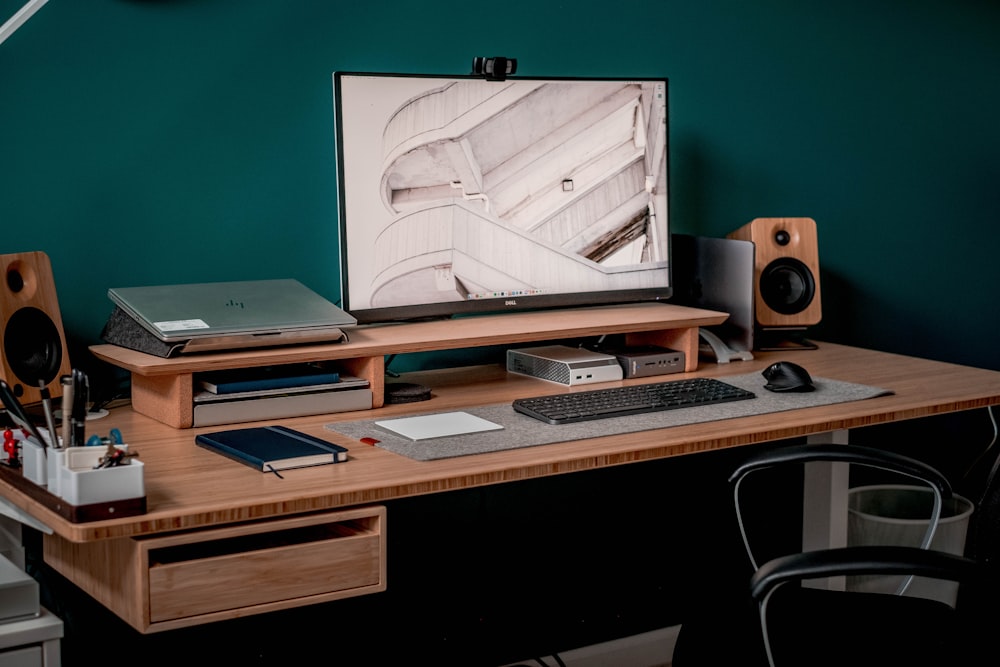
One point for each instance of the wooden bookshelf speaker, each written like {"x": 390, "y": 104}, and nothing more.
{"x": 32, "y": 341}
{"x": 786, "y": 271}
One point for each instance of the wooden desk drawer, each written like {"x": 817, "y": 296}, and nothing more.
{"x": 165, "y": 582}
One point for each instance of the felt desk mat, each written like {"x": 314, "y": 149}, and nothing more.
{"x": 523, "y": 431}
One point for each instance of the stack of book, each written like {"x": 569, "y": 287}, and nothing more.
{"x": 275, "y": 392}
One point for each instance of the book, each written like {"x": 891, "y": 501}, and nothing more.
{"x": 281, "y": 406}
{"x": 267, "y": 377}
{"x": 268, "y": 448}
{"x": 345, "y": 382}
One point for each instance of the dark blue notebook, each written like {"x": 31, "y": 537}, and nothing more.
{"x": 270, "y": 448}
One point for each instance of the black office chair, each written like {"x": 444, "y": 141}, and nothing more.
{"x": 765, "y": 616}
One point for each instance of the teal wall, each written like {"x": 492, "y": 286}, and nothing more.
{"x": 165, "y": 141}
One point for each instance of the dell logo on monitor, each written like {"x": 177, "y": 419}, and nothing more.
{"x": 510, "y": 302}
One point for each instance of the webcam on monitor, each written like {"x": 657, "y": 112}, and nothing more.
{"x": 495, "y": 68}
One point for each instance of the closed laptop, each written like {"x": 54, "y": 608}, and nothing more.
{"x": 232, "y": 315}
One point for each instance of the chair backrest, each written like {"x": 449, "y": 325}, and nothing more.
{"x": 731, "y": 629}
{"x": 834, "y": 453}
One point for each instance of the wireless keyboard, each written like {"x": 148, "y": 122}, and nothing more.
{"x": 629, "y": 400}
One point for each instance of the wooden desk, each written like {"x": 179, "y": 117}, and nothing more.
{"x": 194, "y": 496}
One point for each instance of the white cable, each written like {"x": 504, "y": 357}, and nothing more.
{"x": 996, "y": 462}
{"x": 22, "y": 15}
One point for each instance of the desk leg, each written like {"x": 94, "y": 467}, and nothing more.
{"x": 824, "y": 510}
{"x": 51, "y": 653}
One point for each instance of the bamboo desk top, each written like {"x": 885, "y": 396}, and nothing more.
{"x": 188, "y": 487}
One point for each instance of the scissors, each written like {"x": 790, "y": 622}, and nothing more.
{"x": 18, "y": 413}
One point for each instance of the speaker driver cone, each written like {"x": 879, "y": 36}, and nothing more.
{"x": 787, "y": 286}
{"x": 33, "y": 346}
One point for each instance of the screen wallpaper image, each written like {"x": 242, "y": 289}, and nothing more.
{"x": 469, "y": 189}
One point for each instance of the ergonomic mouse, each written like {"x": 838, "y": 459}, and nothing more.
{"x": 787, "y": 376}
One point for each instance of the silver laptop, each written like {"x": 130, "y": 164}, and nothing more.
{"x": 233, "y": 315}
{"x": 718, "y": 274}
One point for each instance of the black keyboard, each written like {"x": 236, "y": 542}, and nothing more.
{"x": 629, "y": 400}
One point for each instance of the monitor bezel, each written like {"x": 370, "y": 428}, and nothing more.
{"x": 489, "y": 306}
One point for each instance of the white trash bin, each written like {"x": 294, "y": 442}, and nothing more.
{"x": 895, "y": 514}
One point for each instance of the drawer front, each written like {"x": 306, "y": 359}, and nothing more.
{"x": 30, "y": 656}
{"x": 233, "y": 581}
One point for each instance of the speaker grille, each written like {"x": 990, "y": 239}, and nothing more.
{"x": 33, "y": 346}
{"x": 787, "y": 286}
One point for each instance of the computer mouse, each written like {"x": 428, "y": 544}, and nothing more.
{"x": 787, "y": 376}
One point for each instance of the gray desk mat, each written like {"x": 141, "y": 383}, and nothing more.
{"x": 523, "y": 431}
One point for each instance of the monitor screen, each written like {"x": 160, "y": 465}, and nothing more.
{"x": 462, "y": 194}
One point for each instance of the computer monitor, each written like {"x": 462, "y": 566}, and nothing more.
{"x": 463, "y": 194}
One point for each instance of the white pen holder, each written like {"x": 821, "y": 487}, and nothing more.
{"x": 56, "y": 460}
{"x": 80, "y": 483}
{"x": 34, "y": 460}
{"x": 33, "y": 464}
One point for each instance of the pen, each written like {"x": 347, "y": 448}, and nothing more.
{"x": 67, "y": 406}
{"x": 50, "y": 420}
{"x": 78, "y": 418}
